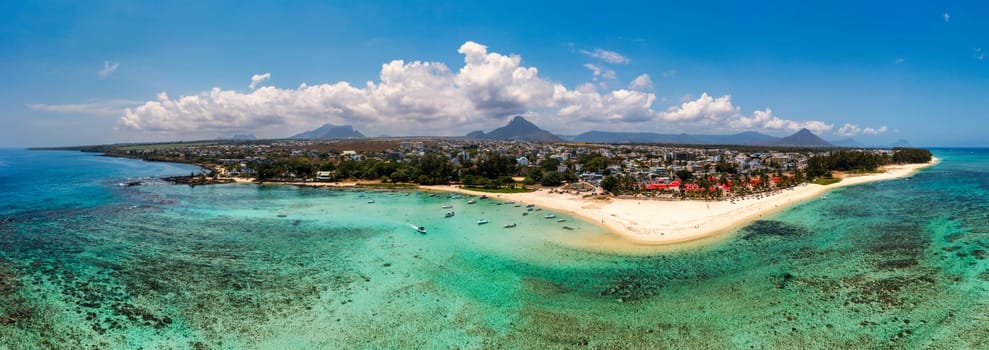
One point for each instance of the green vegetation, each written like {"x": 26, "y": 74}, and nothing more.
{"x": 500, "y": 190}
{"x": 826, "y": 181}
{"x": 911, "y": 155}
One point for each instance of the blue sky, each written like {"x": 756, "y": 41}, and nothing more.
{"x": 125, "y": 71}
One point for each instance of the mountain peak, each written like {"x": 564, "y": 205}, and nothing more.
{"x": 330, "y": 131}
{"x": 517, "y": 129}
{"x": 802, "y": 138}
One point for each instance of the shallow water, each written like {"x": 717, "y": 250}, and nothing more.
{"x": 85, "y": 263}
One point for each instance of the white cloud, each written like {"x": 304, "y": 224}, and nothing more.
{"x": 102, "y": 108}
{"x": 849, "y": 130}
{"x": 947, "y": 17}
{"x": 720, "y": 114}
{"x": 108, "y": 69}
{"x": 600, "y": 72}
{"x": 607, "y": 56}
{"x": 670, "y": 73}
{"x": 257, "y": 79}
{"x": 429, "y": 98}
{"x": 898, "y": 60}
{"x": 978, "y": 53}
{"x": 641, "y": 83}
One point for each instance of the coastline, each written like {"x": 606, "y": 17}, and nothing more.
{"x": 659, "y": 223}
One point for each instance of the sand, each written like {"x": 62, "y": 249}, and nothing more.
{"x": 659, "y": 222}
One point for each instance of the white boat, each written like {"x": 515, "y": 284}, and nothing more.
{"x": 561, "y": 220}
{"x": 449, "y": 214}
{"x": 529, "y": 205}
{"x": 471, "y": 201}
{"x": 370, "y": 201}
{"x": 482, "y": 221}
{"x": 447, "y": 206}
{"x": 510, "y": 225}
{"x": 549, "y": 216}
{"x": 419, "y": 229}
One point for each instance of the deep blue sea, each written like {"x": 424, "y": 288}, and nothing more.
{"x": 88, "y": 263}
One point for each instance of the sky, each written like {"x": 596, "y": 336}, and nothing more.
{"x": 97, "y": 72}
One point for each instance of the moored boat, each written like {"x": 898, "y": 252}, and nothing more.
{"x": 510, "y": 225}
{"x": 549, "y": 216}
{"x": 482, "y": 221}
{"x": 449, "y": 214}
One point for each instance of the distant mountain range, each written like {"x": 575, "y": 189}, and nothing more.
{"x": 521, "y": 129}
{"x": 330, "y": 131}
{"x": 745, "y": 138}
{"x": 517, "y": 129}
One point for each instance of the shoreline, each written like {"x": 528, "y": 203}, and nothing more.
{"x": 663, "y": 223}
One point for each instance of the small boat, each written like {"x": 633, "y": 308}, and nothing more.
{"x": 484, "y": 196}
{"x": 449, "y": 214}
{"x": 549, "y": 216}
{"x": 419, "y": 229}
{"x": 447, "y": 206}
{"x": 525, "y": 213}
{"x": 529, "y": 205}
{"x": 282, "y": 215}
{"x": 482, "y": 221}
{"x": 510, "y": 225}
{"x": 509, "y": 202}
{"x": 471, "y": 201}
{"x": 528, "y": 209}
{"x": 370, "y": 201}
{"x": 538, "y": 209}
{"x": 432, "y": 195}
{"x": 518, "y": 205}
{"x": 561, "y": 220}
{"x": 568, "y": 228}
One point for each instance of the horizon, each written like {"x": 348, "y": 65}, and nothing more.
{"x": 105, "y": 72}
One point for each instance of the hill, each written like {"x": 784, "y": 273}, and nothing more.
{"x": 517, "y": 129}
{"x": 330, "y": 131}
{"x": 802, "y": 138}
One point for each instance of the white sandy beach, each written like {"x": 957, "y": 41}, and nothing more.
{"x": 657, "y": 222}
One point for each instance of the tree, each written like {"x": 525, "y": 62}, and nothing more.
{"x": 610, "y": 184}
{"x": 552, "y": 178}
{"x": 685, "y": 175}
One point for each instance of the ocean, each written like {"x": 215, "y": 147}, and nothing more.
{"x": 87, "y": 262}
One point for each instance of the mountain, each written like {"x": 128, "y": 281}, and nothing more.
{"x": 900, "y": 143}
{"x": 802, "y": 138}
{"x": 330, "y": 131}
{"x": 745, "y": 138}
{"x": 847, "y": 142}
{"x": 517, "y": 129}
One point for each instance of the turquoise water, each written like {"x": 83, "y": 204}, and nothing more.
{"x": 85, "y": 263}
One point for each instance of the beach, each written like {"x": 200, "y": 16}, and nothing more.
{"x": 663, "y": 222}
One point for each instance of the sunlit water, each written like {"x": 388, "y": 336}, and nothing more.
{"x": 86, "y": 263}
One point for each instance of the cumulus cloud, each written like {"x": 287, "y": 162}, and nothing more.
{"x": 257, "y": 79}
{"x": 641, "y": 83}
{"x": 721, "y": 113}
{"x": 600, "y": 72}
{"x": 978, "y": 53}
{"x": 849, "y": 130}
{"x": 947, "y": 17}
{"x": 607, "y": 56}
{"x": 101, "y": 108}
{"x": 430, "y": 98}
{"x": 108, "y": 69}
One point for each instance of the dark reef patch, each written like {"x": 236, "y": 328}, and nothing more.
{"x": 769, "y": 228}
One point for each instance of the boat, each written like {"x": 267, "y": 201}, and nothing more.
{"x": 561, "y": 220}
{"x": 432, "y": 195}
{"x": 518, "y": 205}
{"x": 471, "y": 201}
{"x": 484, "y": 196}
{"x": 482, "y": 221}
{"x": 529, "y": 205}
{"x": 449, "y": 214}
{"x": 528, "y": 209}
{"x": 549, "y": 216}
{"x": 419, "y": 229}
{"x": 447, "y": 206}
{"x": 510, "y": 225}
{"x": 370, "y": 201}
{"x": 525, "y": 213}
{"x": 568, "y": 228}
